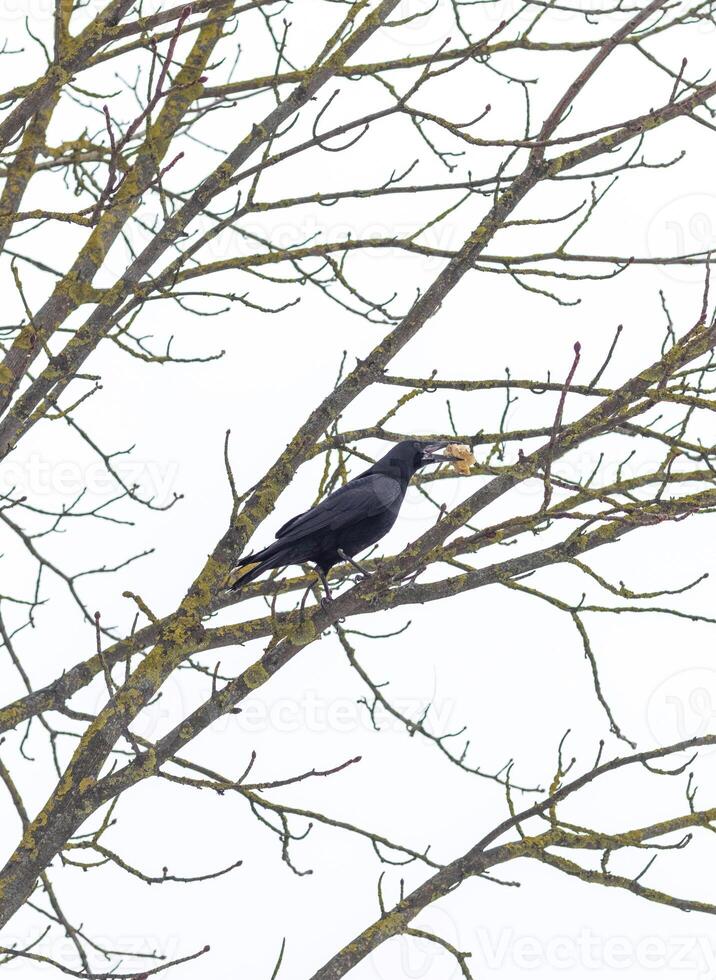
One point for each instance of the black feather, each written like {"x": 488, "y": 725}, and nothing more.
{"x": 350, "y": 519}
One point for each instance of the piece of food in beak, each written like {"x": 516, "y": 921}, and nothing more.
{"x": 461, "y": 458}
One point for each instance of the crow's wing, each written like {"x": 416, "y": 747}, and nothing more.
{"x": 363, "y": 497}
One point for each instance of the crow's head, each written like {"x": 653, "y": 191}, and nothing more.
{"x": 408, "y": 456}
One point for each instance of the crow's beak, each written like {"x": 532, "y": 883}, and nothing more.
{"x": 431, "y": 453}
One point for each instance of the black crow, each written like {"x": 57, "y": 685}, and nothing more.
{"x": 348, "y": 521}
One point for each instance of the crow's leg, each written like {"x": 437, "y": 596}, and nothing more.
{"x": 302, "y": 607}
{"x": 309, "y": 590}
{"x": 351, "y": 561}
{"x": 328, "y": 597}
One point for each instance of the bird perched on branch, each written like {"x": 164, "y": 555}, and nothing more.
{"x": 348, "y": 521}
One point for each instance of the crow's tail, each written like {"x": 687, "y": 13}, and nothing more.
{"x": 249, "y": 568}
{"x": 245, "y": 571}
